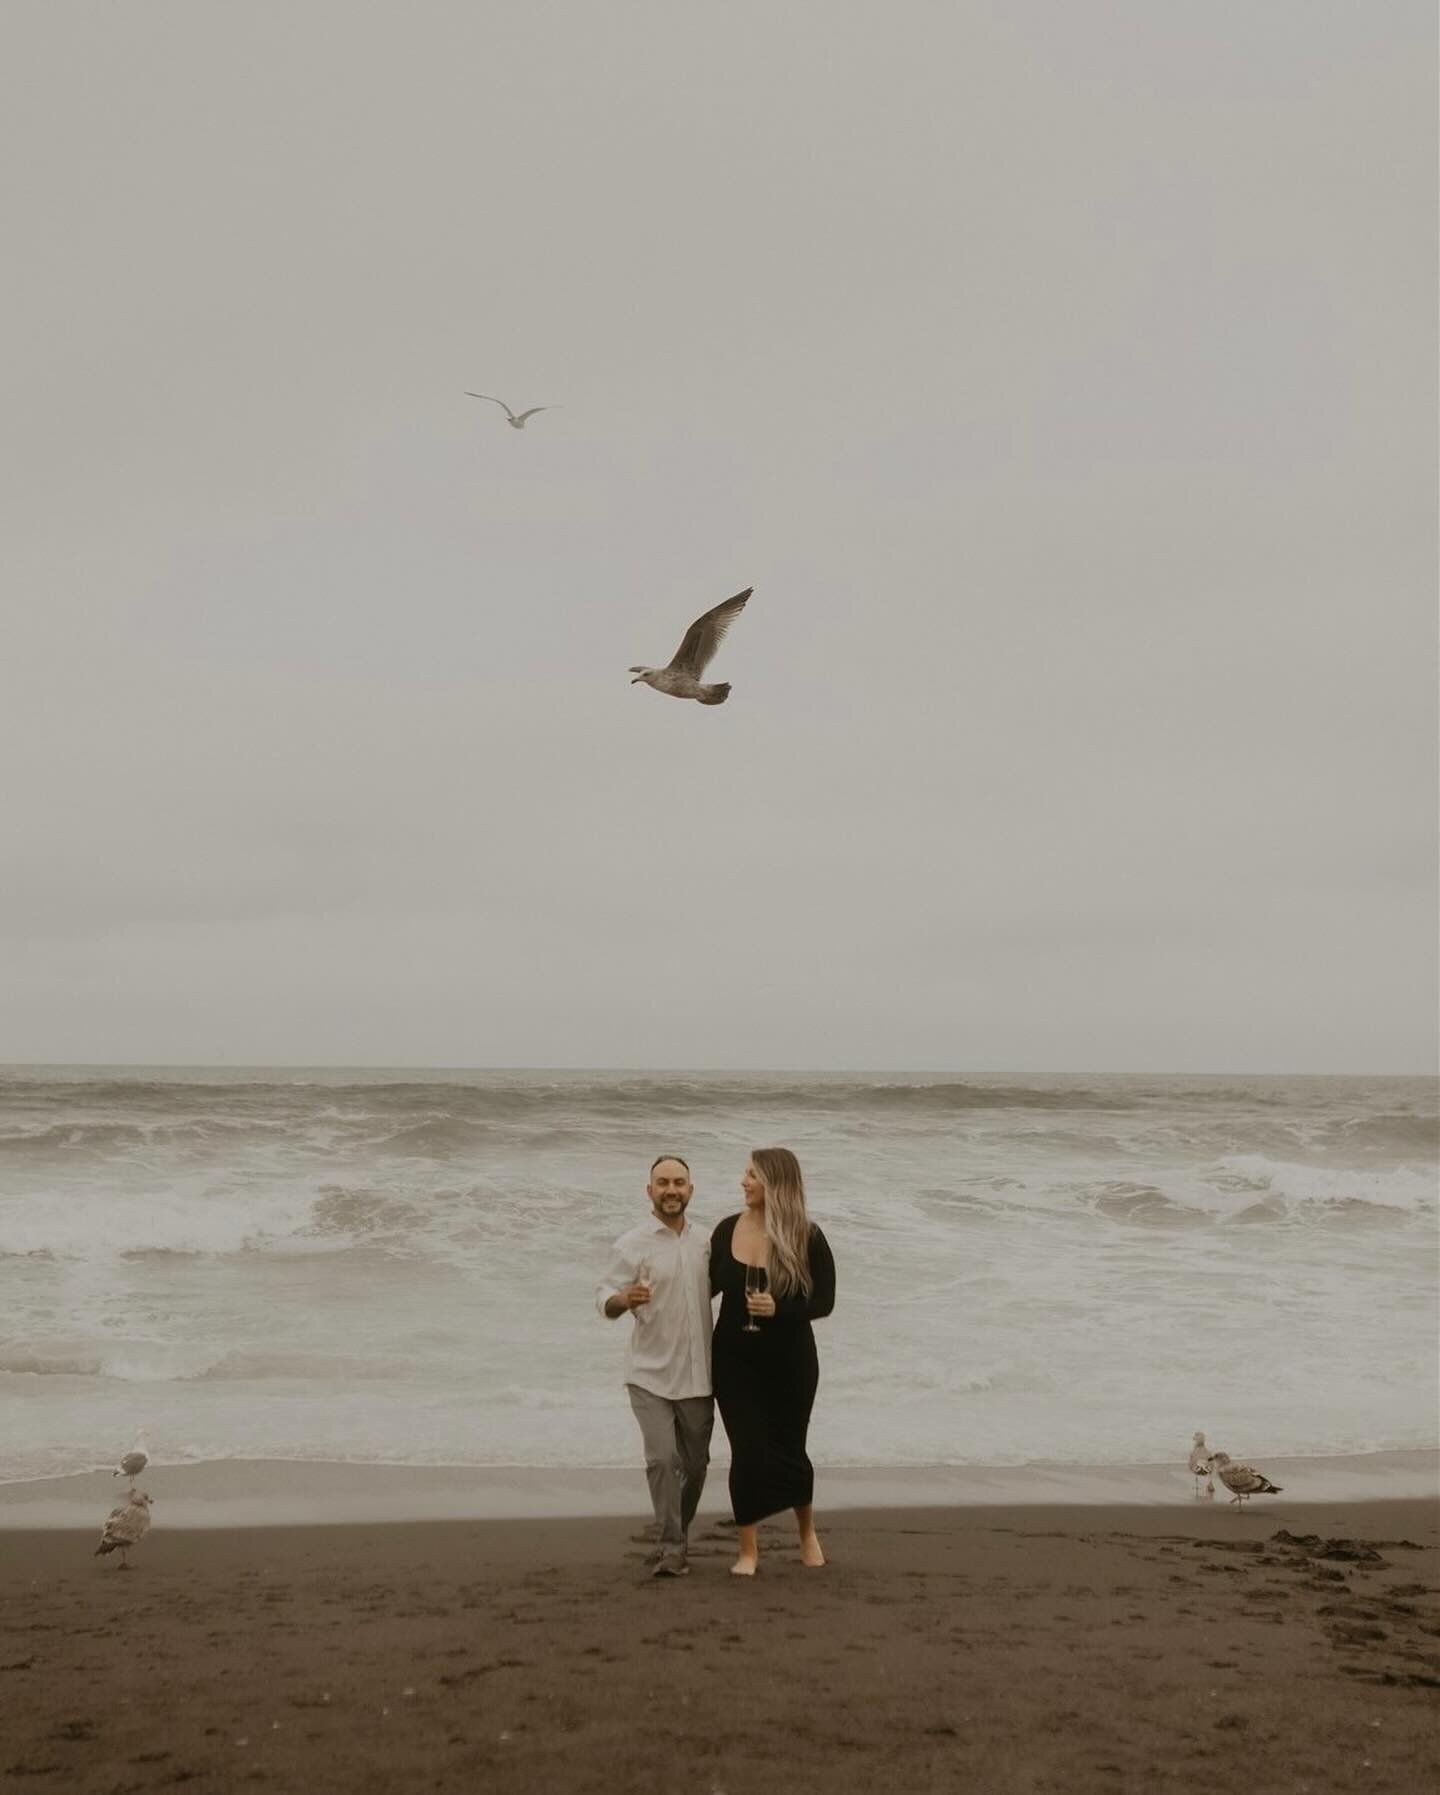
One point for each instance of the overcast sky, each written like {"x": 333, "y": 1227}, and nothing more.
{"x": 1060, "y": 374}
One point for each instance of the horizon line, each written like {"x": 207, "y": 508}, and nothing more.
{"x": 673, "y": 1071}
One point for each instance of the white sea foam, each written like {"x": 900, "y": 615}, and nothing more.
{"x": 1409, "y": 1188}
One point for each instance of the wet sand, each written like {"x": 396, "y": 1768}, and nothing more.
{"x": 993, "y": 1648}
{"x": 265, "y": 1492}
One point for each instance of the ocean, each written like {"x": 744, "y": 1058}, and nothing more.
{"x": 399, "y": 1266}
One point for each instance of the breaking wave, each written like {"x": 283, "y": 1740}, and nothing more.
{"x": 378, "y": 1268}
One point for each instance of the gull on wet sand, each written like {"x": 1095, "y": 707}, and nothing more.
{"x": 681, "y": 679}
{"x": 1200, "y": 1463}
{"x": 124, "y": 1528}
{"x": 516, "y": 420}
{"x": 133, "y": 1462}
{"x": 1242, "y": 1480}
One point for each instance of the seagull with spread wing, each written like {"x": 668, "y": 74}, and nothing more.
{"x": 516, "y": 420}
{"x": 681, "y": 679}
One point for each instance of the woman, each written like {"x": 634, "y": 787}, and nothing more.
{"x": 765, "y": 1380}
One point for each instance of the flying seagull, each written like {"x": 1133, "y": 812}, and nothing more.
{"x": 681, "y": 679}
{"x": 516, "y": 420}
{"x": 134, "y": 1461}
{"x": 124, "y": 1528}
{"x": 1199, "y": 1463}
{"x": 1243, "y": 1480}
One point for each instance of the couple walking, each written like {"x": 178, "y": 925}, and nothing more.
{"x": 772, "y": 1269}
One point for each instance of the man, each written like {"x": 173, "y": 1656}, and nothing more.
{"x": 659, "y": 1275}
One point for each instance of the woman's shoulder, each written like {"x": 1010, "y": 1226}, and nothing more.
{"x": 725, "y": 1226}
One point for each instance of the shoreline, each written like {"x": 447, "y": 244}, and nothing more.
{"x": 227, "y": 1493}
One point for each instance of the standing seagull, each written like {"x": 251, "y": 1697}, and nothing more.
{"x": 1244, "y": 1480}
{"x": 515, "y": 420}
{"x": 681, "y": 679}
{"x": 124, "y": 1528}
{"x": 1199, "y": 1462}
{"x": 134, "y": 1461}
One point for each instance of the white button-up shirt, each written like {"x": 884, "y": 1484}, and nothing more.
{"x": 668, "y": 1352}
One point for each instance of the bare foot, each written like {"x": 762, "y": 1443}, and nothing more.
{"x": 744, "y": 1567}
{"x": 810, "y": 1553}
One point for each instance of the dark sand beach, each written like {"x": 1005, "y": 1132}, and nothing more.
{"x": 993, "y": 1647}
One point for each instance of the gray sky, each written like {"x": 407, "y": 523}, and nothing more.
{"x": 1060, "y": 374}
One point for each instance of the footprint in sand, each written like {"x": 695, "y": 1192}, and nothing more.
{"x": 77, "y": 1732}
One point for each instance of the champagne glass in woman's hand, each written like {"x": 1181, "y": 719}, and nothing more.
{"x": 757, "y": 1282}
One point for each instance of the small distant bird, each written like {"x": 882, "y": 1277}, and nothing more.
{"x": 1199, "y": 1462}
{"x": 124, "y": 1528}
{"x": 681, "y": 679}
{"x": 1243, "y": 1480}
{"x": 134, "y": 1461}
{"x": 516, "y": 420}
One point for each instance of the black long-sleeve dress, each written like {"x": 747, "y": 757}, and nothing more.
{"x": 765, "y": 1383}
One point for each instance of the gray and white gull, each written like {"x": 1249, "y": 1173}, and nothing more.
{"x": 133, "y": 1462}
{"x": 1242, "y": 1480}
{"x": 515, "y": 419}
{"x": 1200, "y": 1465}
{"x": 681, "y": 679}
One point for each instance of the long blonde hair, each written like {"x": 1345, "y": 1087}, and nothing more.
{"x": 787, "y": 1227}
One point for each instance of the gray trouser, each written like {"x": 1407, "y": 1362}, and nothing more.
{"x": 677, "y": 1452}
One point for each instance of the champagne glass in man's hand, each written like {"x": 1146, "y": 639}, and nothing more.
{"x": 644, "y": 1280}
{"x": 757, "y": 1282}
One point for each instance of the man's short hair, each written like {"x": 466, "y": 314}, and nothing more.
{"x": 663, "y": 1157}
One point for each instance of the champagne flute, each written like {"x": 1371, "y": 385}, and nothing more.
{"x": 643, "y": 1276}
{"x": 757, "y": 1282}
